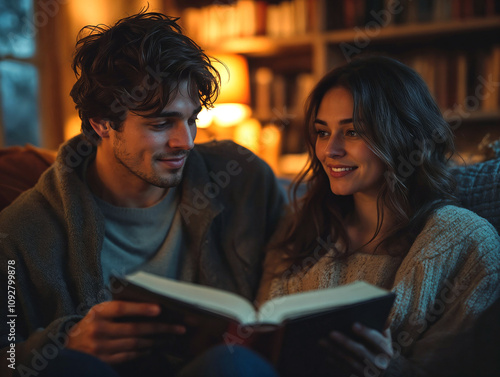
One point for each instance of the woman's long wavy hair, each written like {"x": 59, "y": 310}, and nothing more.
{"x": 397, "y": 117}
{"x": 137, "y": 65}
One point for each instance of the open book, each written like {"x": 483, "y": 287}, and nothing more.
{"x": 285, "y": 329}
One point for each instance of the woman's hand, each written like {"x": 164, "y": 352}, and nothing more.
{"x": 372, "y": 349}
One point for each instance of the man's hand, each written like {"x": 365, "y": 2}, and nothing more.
{"x": 101, "y": 335}
{"x": 373, "y": 348}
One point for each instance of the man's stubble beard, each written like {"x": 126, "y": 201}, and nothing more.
{"x": 173, "y": 180}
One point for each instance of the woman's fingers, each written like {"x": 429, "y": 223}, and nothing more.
{"x": 379, "y": 342}
{"x": 371, "y": 347}
{"x": 339, "y": 358}
{"x": 355, "y": 348}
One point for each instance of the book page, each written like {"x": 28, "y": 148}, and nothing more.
{"x": 304, "y": 303}
{"x": 212, "y": 299}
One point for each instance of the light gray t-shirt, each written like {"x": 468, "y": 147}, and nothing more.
{"x": 149, "y": 239}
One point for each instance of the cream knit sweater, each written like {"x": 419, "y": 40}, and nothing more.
{"x": 450, "y": 275}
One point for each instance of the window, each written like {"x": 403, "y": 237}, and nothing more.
{"x": 19, "y": 120}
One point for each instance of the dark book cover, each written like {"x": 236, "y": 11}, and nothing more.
{"x": 301, "y": 353}
{"x": 290, "y": 343}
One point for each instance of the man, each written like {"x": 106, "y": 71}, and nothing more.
{"x": 133, "y": 192}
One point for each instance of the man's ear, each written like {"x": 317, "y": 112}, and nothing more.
{"x": 100, "y": 126}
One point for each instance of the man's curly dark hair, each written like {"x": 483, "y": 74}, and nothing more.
{"x": 136, "y": 65}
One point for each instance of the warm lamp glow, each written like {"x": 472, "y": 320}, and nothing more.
{"x": 292, "y": 164}
{"x": 230, "y": 114}
{"x": 248, "y": 134}
{"x": 270, "y": 146}
{"x": 205, "y": 118}
{"x": 235, "y": 82}
{"x": 72, "y": 127}
{"x": 91, "y": 12}
{"x": 232, "y": 105}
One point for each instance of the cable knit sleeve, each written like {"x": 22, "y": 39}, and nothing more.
{"x": 450, "y": 276}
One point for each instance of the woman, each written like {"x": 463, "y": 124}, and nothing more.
{"x": 381, "y": 197}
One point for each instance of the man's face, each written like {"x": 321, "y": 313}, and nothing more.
{"x": 153, "y": 150}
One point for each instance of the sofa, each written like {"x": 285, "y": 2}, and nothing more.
{"x": 20, "y": 168}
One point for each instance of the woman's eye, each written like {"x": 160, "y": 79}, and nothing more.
{"x": 351, "y": 133}
{"x": 321, "y": 134}
{"x": 192, "y": 121}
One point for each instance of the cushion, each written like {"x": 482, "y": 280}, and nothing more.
{"x": 20, "y": 168}
{"x": 479, "y": 189}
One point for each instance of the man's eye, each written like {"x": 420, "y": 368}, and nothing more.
{"x": 159, "y": 126}
{"x": 162, "y": 125}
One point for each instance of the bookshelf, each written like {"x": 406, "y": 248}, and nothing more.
{"x": 454, "y": 45}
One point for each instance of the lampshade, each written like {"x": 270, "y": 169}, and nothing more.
{"x": 235, "y": 82}
{"x": 232, "y": 105}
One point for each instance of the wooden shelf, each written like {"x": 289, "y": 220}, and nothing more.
{"x": 489, "y": 117}
{"x": 263, "y": 45}
{"x": 416, "y": 30}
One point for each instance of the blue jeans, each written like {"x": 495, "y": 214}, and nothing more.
{"x": 218, "y": 361}
{"x": 221, "y": 361}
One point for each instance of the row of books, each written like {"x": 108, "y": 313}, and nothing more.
{"x": 246, "y": 18}
{"x": 351, "y": 13}
{"x": 461, "y": 80}
{"x": 279, "y": 99}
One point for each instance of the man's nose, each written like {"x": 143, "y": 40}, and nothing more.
{"x": 181, "y": 136}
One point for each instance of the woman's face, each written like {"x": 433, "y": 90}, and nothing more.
{"x": 351, "y": 166}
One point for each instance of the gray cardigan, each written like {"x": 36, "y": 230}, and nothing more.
{"x": 230, "y": 205}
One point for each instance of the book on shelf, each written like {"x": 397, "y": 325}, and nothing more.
{"x": 441, "y": 65}
{"x": 452, "y": 81}
{"x": 349, "y": 9}
{"x": 461, "y": 79}
{"x": 491, "y": 77}
{"x": 286, "y": 330}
